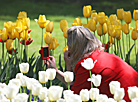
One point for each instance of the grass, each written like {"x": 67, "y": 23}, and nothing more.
{"x": 55, "y": 12}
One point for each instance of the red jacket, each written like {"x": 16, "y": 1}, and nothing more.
{"x": 111, "y": 68}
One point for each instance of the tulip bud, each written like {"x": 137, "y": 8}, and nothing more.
{"x": 119, "y": 94}
{"x": 120, "y": 14}
{"x": 87, "y": 11}
{"x": 77, "y": 22}
{"x": 101, "y": 18}
{"x": 21, "y": 97}
{"x": 114, "y": 85}
{"x": 9, "y": 26}
{"x": 24, "y": 67}
{"x": 94, "y": 92}
{"x": 65, "y": 49}
{"x": 99, "y": 30}
{"x": 102, "y": 98}
{"x": 54, "y": 93}
{"x": 134, "y": 34}
{"x": 54, "y": 43}
{"x": 96, "y": 79}
{"x": 24, "y": 34}
{"x": 94, "y": 16}
{"x": 4, "y": 34}
{"x": 26, "y": 22}
{"x": 66, "y": 93}
{"x": 9, "y": 44}
{"x": 47, "y": 38}
{"x": 132, "y": 92}
{"x": 15, "y": 82}
{"x": 92, "y": 25}
{"x": 36, "y": 88}
{"x": 84, "y": 94}
{"x": 65, "y": 32}
{"x": 49, "y": 27}
{"x": 63, "y": 24}
{"x": 51, "y": 73}
{"x": 135, "y": 15}
{"x": 104, "y": 28}
{"x": 30, "y": 82}
{"x": 68, "y": 76}
{"x": 43, "y": 93}
{"x": 112, "y": 17}
{"x": 22, "y": 15}
{"x": 43, "y": 78}
{"x": 127, "y": 17}
{"x": 125, "y": 28}
{"x": 118, "y": 33}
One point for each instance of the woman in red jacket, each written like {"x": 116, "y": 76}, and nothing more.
{"x": 82, "y": 44}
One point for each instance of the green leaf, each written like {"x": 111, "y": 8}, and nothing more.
{"x": 137, "y": 57}
{"x": 127, "y": 59}
{"x": 24, "y": 56}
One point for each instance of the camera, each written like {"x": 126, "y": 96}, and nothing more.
{"x": 44, "y": 52}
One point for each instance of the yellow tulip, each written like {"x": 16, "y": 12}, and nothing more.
{"x": 9, "y": 44}
{"x": 104, "y": 28}
{"x": 116, "y": 22}
{"x": 22, "y": 15}
{"x": 53, "y": 44}
{"x": 25, "y": 33}
{"x": 99, "y": 30}
{"x": 42, "y": 21}
{"x": 92, "y": 25}
{"x": 112, "y": 40}
{"x": 136, "y": 22}
{"x": 135, "y": 15}
{"x": 111, "y": 30}
{"x": 127, "y": 17}
{"x": 18, "y": 26}
{"x": 63, "y": 23}
{"x": 101, "y": 18}
{"x": 47, "y": 38}
{"x": 113, "y": 17}
{"x": 87, "y": 11}
{"x": 49, "y": 27}
{"x": 4, "y": 34}
{"x": 77, "y": 22}
{"x": 120, "y": 14}
{"x": 16, "y": 34}
{"x": 9, "y": 26}
{"x": 65, "y": 49}
{"x": 94, "y": 16}
{"x": 26, "y": 23}
{"x": 65, "y": 32}
{"x": 12, "y": 34}
{"x": 125, "y": 28}
{"x": 85, "y": 25}
{"x": 134, "y": 34}
{"x": 118, "y": 33}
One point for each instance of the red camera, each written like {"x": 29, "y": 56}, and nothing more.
{"x": 44, "y": 52}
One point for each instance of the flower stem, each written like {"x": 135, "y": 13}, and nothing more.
{"x": 68, "y": 86}
{"x": 3, "y": 53}
{"x": 30, "y": 98}
{"x": 42, "y": 38}
{"x": 120, "y": 50}
{"x": 50, "y": 82}
{"x": 90, "y": 77}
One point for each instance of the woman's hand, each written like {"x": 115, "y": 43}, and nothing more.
{"x": 67, "y": 59}
{"x": 50, "y": 62}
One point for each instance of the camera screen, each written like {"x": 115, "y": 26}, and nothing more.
{"x": 45, "y": 52}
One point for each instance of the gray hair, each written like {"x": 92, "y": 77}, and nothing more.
{"x": 82, "y": 42}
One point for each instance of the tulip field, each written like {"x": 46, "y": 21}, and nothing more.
{"x": 23, "y": 74}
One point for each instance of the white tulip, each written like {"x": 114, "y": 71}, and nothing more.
{"x": 21, "y": 97}
{"x": 132, "y": 92}
{"x": 54, "y": 93}
{"x": 36, "y": 87}
{"x": 119, "y": 94}
{"x": 2, "y": 85}
{"x": 43, "y": 77}
{"x": 2, "y": 91}
{"x": 51, "y": 73}
{"x": 43, "y": 93}
{"x": 67, "y": 92}
{"x": 96, "y": 79}
{"x": 19, "y": 75}
{"x": 73, "y": 98}
{"x": 84, "y": 94}
{"x": 24, "y": 67}
{"x": 111, "y": 100}
{"x": 23, "y": 80}
{"x": 15, "y": 82}
{"x": 134, "y": 100}
{"x": 30, "y": 82}
{"x": 102, "y": 98}
{"x": 61, "y": 100}
{"x": 93, "y": 92}
{"x": 68, "y": 76}
{"x": 113, "y": 85}
{"x": 88, "y": 63}
{"x": 11, "y": 91}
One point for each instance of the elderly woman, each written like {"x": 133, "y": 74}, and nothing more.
{"x": 82, "y": 44}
